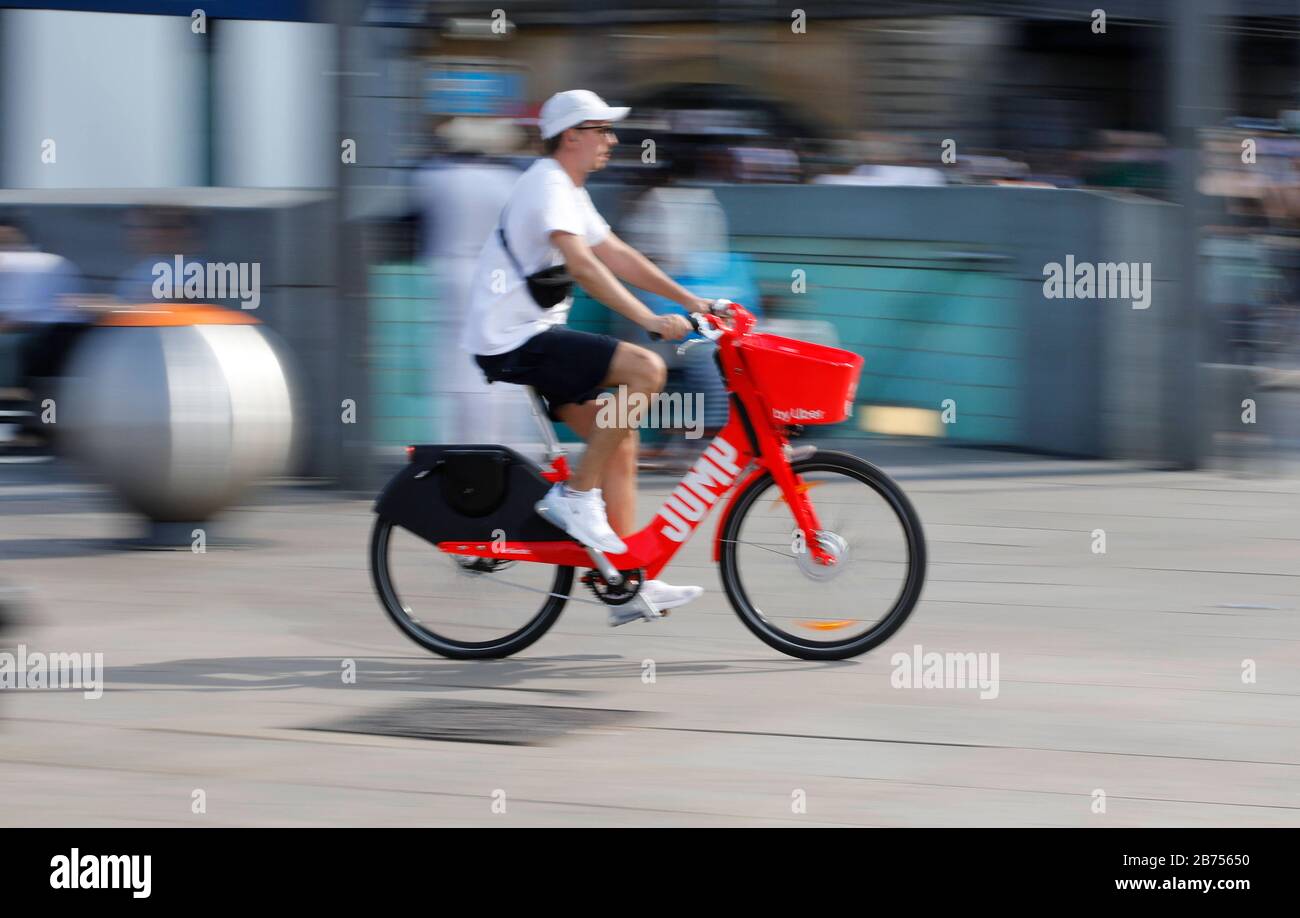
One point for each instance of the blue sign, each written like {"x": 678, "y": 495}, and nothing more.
{"x": 472, "y": 91}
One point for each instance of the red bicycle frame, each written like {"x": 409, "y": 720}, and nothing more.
{"x": 750, "y": 443}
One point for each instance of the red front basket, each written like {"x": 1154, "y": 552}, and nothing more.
{"x": 803, "y": 383}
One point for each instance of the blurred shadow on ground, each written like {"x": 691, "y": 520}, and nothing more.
{"x": 11, "y": 549}
{"x": 415, "y": 674}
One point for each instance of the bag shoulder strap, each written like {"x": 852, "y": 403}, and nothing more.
{"x": 501, "y": 234}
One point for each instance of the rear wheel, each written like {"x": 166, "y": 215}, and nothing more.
{"x": 460, "y": 607}
{"x": 818, "y": 612}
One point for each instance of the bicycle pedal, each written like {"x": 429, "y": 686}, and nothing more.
{"x": 638, "y": 609}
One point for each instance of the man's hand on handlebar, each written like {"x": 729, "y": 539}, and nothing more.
{"x": 671, "y": 326}
{"x": 674, "y": 326}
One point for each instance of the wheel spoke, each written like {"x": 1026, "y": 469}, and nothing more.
{"x": 788, "y": 554}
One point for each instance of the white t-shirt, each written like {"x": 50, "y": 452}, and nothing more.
{"x": 502, "y": 314}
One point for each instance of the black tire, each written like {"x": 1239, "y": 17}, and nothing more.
{"x": 456, "y": 649}
{"x": 882, "y": 484}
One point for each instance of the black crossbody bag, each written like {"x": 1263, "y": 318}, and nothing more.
{"x": 548, "y": 286}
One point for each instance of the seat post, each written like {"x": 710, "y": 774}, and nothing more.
{"x": 549, "y": 439}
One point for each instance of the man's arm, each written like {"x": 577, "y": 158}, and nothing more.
{"x": 639, "y": 271}
{"x": 593, "y": 276}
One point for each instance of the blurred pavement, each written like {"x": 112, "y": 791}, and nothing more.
{"x": 1119, "y": 672}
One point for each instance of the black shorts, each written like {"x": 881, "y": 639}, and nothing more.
{"x": 566, "y": 367}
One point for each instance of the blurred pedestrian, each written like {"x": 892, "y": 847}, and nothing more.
{"x": 38, "y": 323}
{"x": 461, "y": 195}
{"x": 680, "y": 225}
{"x": 156, "y": 235}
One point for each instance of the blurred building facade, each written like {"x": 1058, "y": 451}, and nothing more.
{"x": 295, "y": 131}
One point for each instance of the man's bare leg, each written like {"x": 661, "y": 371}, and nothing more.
{"x": 643, "y": 372}
{"x": 612, "y": 452}
{"x": 573, "y": 506}
{"x": 618, "y": 478}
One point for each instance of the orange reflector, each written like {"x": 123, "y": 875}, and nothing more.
{"x": 827, "y": 625}
{"x": 802, "y": 489}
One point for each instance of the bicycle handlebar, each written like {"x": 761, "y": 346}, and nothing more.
{"x": 742, "y": 321}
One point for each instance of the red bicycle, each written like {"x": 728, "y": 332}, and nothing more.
{"x": 821, "y": 554}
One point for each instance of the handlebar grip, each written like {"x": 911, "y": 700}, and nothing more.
{"x": 693, "y": 318}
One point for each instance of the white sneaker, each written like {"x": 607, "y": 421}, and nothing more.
{"x": 667, "y": 596}
{"x": 582, "y": 515}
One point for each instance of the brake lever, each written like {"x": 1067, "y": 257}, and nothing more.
{"x": 687, "y": 345}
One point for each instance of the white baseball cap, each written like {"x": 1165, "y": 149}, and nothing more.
{"x": 569, "y": 109}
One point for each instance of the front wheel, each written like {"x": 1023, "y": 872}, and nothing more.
{"x": 820, "y": 612}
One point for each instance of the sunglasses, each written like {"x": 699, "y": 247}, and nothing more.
{"x": 605, "y": 129}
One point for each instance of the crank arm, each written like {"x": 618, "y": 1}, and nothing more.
{"x": 602, "y": 564}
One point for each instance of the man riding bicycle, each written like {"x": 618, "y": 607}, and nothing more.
{"x": 519, "y": 306}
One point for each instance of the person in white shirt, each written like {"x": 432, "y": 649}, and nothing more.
{"x": 461, "y": 195}
{"x": 548, "y": 226}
